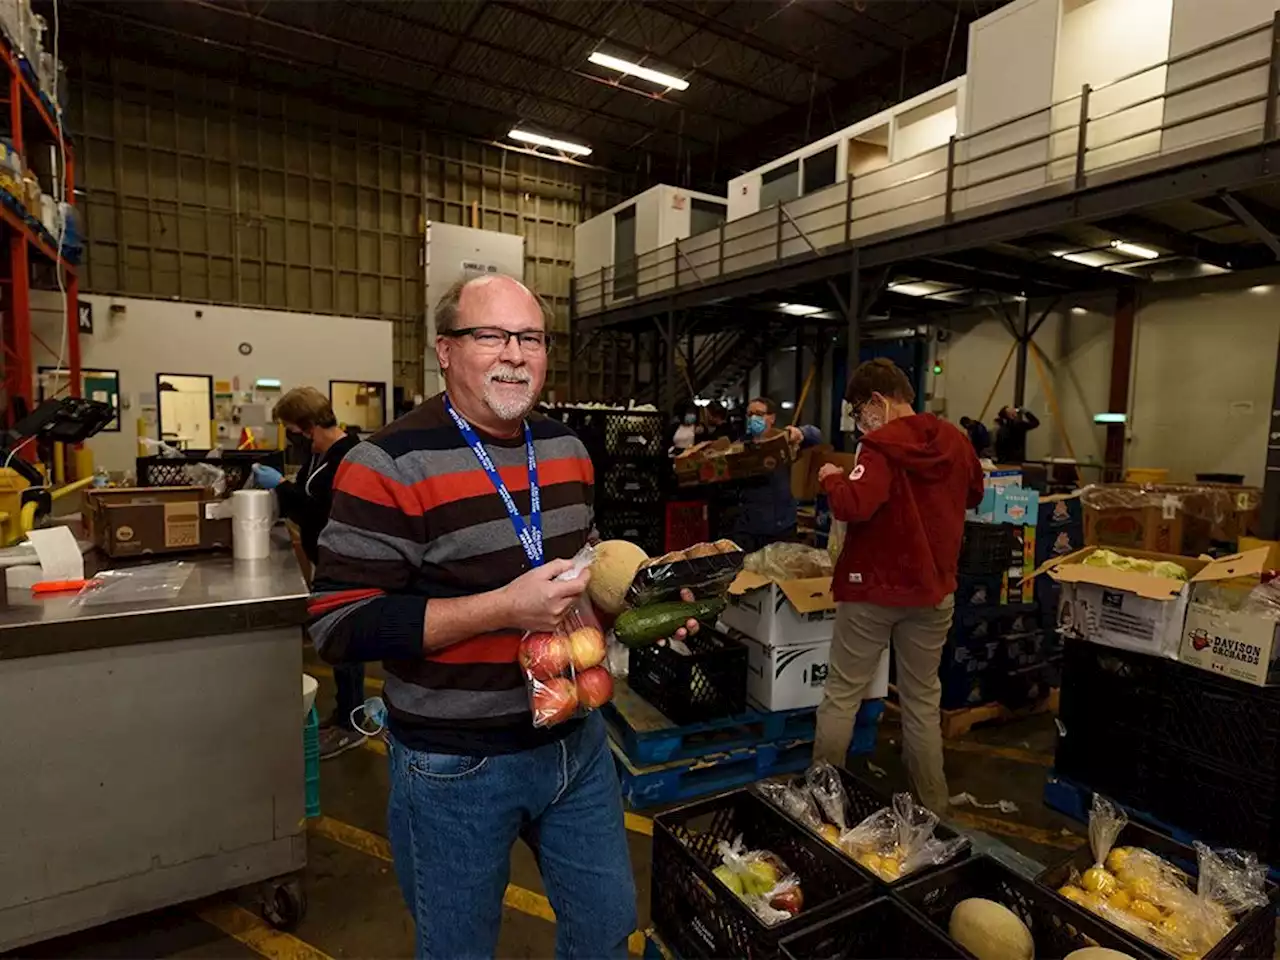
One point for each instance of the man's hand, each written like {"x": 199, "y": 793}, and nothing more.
{"x": 690, "y": 627}
{"x": 536, "y": 600}
{"x": 828, "y": 470}
{"x": 795, "y": 436}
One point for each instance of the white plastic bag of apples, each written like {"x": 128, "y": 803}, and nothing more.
{"x": 566, "y": 670}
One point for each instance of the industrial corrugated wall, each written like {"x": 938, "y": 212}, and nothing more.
{"x": 196, "y": 189}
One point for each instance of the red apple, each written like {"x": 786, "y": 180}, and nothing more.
{"x": 586, "y": 647}
{"x": 791, "y": 900}
{"x": 595, "y": 687}
{"x": 554, "y": 701}
{"x": 544, "y": 655}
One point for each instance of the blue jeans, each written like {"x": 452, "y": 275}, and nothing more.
{"x": 453, "y": 820}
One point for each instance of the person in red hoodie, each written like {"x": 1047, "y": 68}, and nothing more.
{"x": 895, "y": 579}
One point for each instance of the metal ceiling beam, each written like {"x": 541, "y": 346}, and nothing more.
{"x": 543, "y": 62}
{"x": 420, "y": 65}
{"x": 1137, "y": 228}
{"x": 1252, "y": 219}
{"x": 695, "y": 18}
{"x": 537, "y": 14}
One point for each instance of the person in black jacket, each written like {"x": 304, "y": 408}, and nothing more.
{"x": 1012, "y": 427}
{"x": 314, "y": 434}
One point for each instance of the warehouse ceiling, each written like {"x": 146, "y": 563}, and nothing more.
{"x": 764, "y": 76}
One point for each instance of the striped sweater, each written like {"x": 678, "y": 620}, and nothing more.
{"x": 414, "y": 518}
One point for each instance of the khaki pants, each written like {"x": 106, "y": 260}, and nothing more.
{"x": 862, "y": 632}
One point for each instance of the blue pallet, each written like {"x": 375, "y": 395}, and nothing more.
{"x": 681, "y": 780}
{"x": 1075, "y": 800}
{"x": 648, "y": 737}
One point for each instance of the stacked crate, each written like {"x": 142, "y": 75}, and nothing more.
{"x": 628, "y": 449}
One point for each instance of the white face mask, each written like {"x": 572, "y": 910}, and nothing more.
{"x": 873, "y": 417}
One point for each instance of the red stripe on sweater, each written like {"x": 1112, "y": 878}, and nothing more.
{"x": 488, "y": 648}
{"x": 323, "y": 603}
{"x": 450, "y": 487}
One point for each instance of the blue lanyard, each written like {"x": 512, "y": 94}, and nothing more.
{"x": 529, "y": 534}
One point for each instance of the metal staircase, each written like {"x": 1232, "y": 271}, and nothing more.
{"x": 723, "y": 360}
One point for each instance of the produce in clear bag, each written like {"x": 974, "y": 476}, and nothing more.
{"x": 705, "y": 569}
{"x": 899, "y": 840}
{"x": 566, "y": 670}
{"x": 1145, "y": 895}
{"x": 795, "y": 800}
{"x": 761, "y": 880}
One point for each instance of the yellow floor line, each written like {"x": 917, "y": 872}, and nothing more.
{"x": 1016, "y": 754}
{"x": 257, "y": 934}
{"x": 638, "y": 824}
{"x": 370, "y": 844}
{"x": 1011, "y": 828}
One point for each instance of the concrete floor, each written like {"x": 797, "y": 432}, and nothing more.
{"x": 355, "y": 907}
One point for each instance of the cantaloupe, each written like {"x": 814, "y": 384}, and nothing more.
{"x": 612, "y": 571}
{"x": 1097, "y": 953}
{"x": 990, "y": 931}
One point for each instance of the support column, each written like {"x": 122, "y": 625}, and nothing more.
{"x": 1024, "y": 343}
{"x": 1271, "y": 481}
{"x": 1118, "y": 394}
{"x": 853, "y": 348}
{"x": 797, "y": 377}
{"x": 671, "y": 373}
{"x": 690, "y": 369}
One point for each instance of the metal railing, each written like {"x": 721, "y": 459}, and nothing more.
{"x": 1216, "y": 98}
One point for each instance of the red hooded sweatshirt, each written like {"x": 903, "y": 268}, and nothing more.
{"x": 904, "y": 503}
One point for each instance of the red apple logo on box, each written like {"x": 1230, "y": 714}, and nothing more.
{"x": 1200, "y": 639}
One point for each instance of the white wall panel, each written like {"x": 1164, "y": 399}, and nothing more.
{"x": 164, "y": 336}
{"x": 1195, "y": 24}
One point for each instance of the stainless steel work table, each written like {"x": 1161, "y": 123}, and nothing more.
{"x": 150, "y": 753}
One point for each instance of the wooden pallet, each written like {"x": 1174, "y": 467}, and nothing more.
{"x": 957, "y": 723}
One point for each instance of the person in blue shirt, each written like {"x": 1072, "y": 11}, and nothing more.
{"x": 766, "y": 506}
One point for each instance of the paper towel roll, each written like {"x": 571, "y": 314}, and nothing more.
{"x": 252, "y": 514}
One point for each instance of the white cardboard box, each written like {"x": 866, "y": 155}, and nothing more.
{"x": 1121, "y": 608}
{"x": 793, "y": 676}
{"x": 781, "y": 612}
{"x": 1243, "y": 646}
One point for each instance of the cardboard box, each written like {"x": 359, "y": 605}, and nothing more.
{"x": 708, "y": 463}
{"x": 1243, "y": 646}
{"x": 794, "y": 675}
{"x": 1153, "y": 528}
{"x": 781, "y": 612}
{"x": 139, "y": 521}
{"x": 1272, "y": 548}
{"x": 1120, "y": 608}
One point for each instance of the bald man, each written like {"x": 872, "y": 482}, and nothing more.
{"x": 437, "y": 558}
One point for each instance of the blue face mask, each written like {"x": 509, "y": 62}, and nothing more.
{"x": 690, "y": 419}
{"x": 756, "y": 426}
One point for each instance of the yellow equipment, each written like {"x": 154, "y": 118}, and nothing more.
{"x": 23, "y": 505}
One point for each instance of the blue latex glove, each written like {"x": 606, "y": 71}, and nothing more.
{"x": 268, "y": 477}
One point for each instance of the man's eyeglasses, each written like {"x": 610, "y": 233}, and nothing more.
{"x": 495, "y": 339}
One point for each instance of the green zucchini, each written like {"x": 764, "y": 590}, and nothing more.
{"x": 643, "y": 625}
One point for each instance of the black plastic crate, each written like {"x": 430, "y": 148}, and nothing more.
{"x": 883, "y": 928}
{"x": 1109, "y": 709}
{"x": 631, "y": 483}
{"x": 175, "y": 472}
{"x": 644, "y": 528}
{"x": 1057, "y": 926}
{"x": 866, "y": 799}
{"x": 700, "y": 917}
{"x": 711, "y": 683}
{"x": 634, "y": 435}
{"x": 987, "y": 548}
{"x": 1222, "y": 805}
{"x": 1221, "y": 720}
{"x": 1253, "y": 936}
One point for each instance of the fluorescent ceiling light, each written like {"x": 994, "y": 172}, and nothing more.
{"x": 267, "y": 384}
{"x": 1110, "y": 418}
{"x": 635, "y": 70}
{"x": 1133, "y": 249}
{"x": 798, "y": 309}
{"x": 538, "y": 139}
{"x": 787, "y": 405}
{"x": 1078, "y": 310}
{"x": 922, "y": 288}
{"x": 1261, "y": 288}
